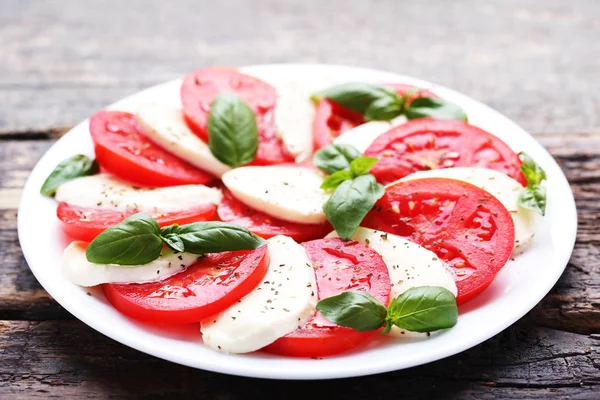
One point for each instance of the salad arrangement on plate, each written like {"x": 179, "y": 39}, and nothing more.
{"x": 302, "y": 221}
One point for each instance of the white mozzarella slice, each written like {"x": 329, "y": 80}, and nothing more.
{"x": 294, "y": 111}
{"x": 363, "y": 135}
{"x": 285, "y": 192}
{"x": 294, "y": 118}
{"x": 80, "y": 271}
{"x": 499, "y": 185}
{"x": 166, "y": 127}
{"x": 104, "y": 191}
{"x": 283, "y": 302}
{"x": 409, "y": 265}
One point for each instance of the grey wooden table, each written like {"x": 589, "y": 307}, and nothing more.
{"x": 536, "y": 61}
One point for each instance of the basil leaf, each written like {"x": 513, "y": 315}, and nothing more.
{"x": 334, "y": 180}
{"x": 362, "y": 165}
{"x": 135, "y": 241}
{"x": 232, "y": 130}
{"x": 350, "y": 202}
{"x": 384, "y": 109}
{"x": 71, "y": 168}
{"x": 358, "y": 96}
{"x": 174, "y": 242}
{"x": 357, "y": 310}
{"x": 423, "y": 309}
{"x": 533, "y": 198}
{"x": 216, "y": 237}
{"x": 534, "y": 174}
{"x": 335, "y": 157}
{"x": 434, "y": 107}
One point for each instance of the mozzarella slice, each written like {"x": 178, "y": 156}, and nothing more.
{"x": 166, "y": 127}
{"x": 104, "y": 191}
{"x": 499, "y": 185}
{"x": 363, "y": 135}
{"x": 409, "y": 265}
{"x": 294, "y": 111}
{"x": 286, "y": 192}
{"x": 80, "y": 271}
{"x": 283, "y": 302}
{"x": 294, "y": 115}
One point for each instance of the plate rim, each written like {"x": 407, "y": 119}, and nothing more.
{"x": 481, "y": 336}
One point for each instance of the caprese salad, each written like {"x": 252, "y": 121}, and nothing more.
{"x": 297, "y": 218}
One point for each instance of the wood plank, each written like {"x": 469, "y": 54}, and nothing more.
{"x": 65, "y": 358}
{"x": 60, "y": 64}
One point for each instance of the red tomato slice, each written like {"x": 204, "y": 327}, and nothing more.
{"x": 331, "y": 120}
{"x": 212, "y": 284}
{"x": 123, "y": 150}
{"x": 424, "y": 144}
{"x": 463, "y": 224}
{"x": 200, "y": 87}
{"x": 342, "y": 266}
{"x": 82, "y": 223}
{"x": 199, "y": 90}
{"x": 234, "y": 211}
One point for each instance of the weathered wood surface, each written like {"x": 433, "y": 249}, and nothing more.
{"x": 535, "y": 61}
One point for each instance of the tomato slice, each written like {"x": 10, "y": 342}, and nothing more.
{"x": 463, "y": 224}
{"x": 123, "y": 150}
{"x": 82, "y": 223}
{"x": 209, "y": 286}
{"x": 402, "y": 89}
{"x": 331, "y": 120}
{"x": 425, "y": 143}
{"x": 200, "y": 87}
{"x": 341, "y": 266}
{"x": 199, "y": 90}
{"x": 234, "y": 211}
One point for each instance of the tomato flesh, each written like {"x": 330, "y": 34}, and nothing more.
{"x": 234, "y": 211}
{"x": 123, "y": 150}
{"x": 340, "y": 267}
{"x": 463, "y": 224}
{"x": 331, "y": 119}
{"x": 82, "y": 223}
{"x": 201, "y": 87}
{"x": 209, "y": 286}
{"x": 424, "y": 144}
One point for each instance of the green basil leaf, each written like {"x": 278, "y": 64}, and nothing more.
{"x": 534, "y": 174}
{"x": 71, "y": 168}
{"x": 362, "y": 165}
{"x": 232, "y": 130}
{"x": 334, "y": 180}
{"x": 216, "y": 237}
{"x": 434, "y": 107}
{"x": 533, "y": 198}
{"x": 384, "y": 109}
{"x": 135, "y": 241}
{"x": 424, "y": 309}
{"x": 357, "y": 96}
{"x": 335, "y": 157}
{"x": 350, "y": 202}
{"x": 357, "y": 310}
{"x": 174, "y": 242}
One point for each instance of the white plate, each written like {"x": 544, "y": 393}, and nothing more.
{"x": 517, "y": 289}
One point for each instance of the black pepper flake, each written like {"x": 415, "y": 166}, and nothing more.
{"x": 88, "y": 293}
{"x": 180, "y": 257}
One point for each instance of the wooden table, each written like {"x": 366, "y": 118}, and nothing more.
{"x": 536, "y": 61}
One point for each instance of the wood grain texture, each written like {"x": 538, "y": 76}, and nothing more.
{"x": 69, "y": 359}
{"x": 535, "y": 61}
